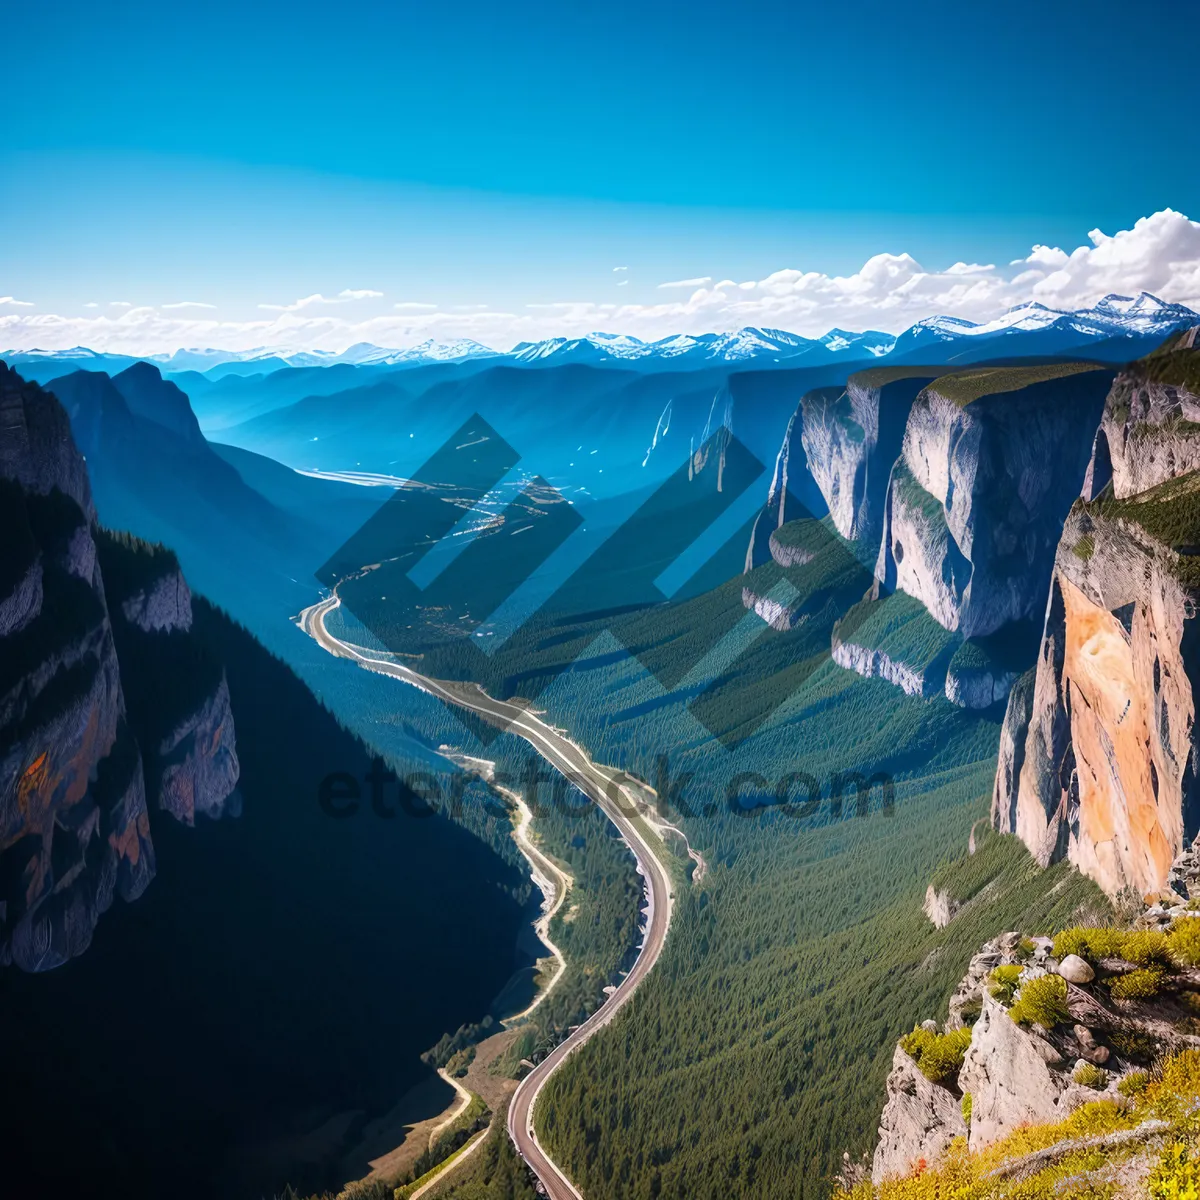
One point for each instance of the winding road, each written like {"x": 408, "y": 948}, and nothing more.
{"x": 602, "y": 785}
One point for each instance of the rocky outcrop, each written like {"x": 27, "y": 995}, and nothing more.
{"x": 1007, "y": 1071}
{"x": 773, "y": 608}
{"x": 786, "y": 553}
{"x": 873, "y": 663}
{"x": 1015, "y": 1074}
{"x": 992, "y": 460}
{"x": 940, "y": 907}
{"x": 178, "y": 698}
{"x": 852, "y": 436}
{"x": 968, "y": 996}
{"x": 1103, "y": 766}
{"x": 24, "y": 602}
{"x": 197, "y": 762}
{"x": 894, "y": 639}
{"x": 75, "y": 825}
{"x": 161, "y": 605}
{"x": 971, "y": 685}
{"x": 1011, "y": 758}
{"x": 919, "y": 1121}
{"x": 36, "y": 447}
{"x": 1109, "y": 773}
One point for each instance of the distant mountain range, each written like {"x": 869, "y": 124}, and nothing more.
{"x": 1030, "y": 328}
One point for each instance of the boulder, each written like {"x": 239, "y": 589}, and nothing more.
{"x": 1076, "y": 970}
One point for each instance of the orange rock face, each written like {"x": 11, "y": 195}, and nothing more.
{"x": 1129, "y": 825}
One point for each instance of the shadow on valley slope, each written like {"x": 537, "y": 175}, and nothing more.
{"x": 273, "y": 988}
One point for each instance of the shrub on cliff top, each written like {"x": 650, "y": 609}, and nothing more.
{"x": 1041, "y": 1001}
{"x": 1144, "y": 947}
{"x": 939, "y": 1055}
{"x": 1141, "y": 984}
{"x": 1183, "y": 941}
{"x": 1088, "y": 942}
{"x": 1003, "y": 982}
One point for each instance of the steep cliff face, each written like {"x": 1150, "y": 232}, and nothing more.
{"x": 74, "y": 820}
{"x": 175, "y": 687}
{"x": 919, "y": 1121}
{"x": 852, "y": 436}
{"x": 1151, "y": 427}
{"x": 992, "y": 460}
{"x": 792, "y": 496}
{"x": 1108, "y": 770}
{"x": 955, "y": 491}
{"x": 1102, "y": 760}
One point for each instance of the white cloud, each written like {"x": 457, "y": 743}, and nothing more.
{"x": 687, "y": 283}
{"x": 622, "y": 283}
{"x": 1159, "y": 254}
{"x": 119, "y": 304}
{"x": 616, "y": 269}
{"x": 343, "y": 297}
{"x": 12, "y": 300}
{"x": 91, "y": 304}
{"x": 415, "y": 306}
{"x": 962, "y": 268}
{"x": 189, "y": 304}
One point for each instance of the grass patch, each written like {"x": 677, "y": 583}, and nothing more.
{"x": 1004, "y": 981}
{"x": 1183, "y": 942}
{"x": 965, "y": 387}
{"x": 1142, "y": 947}
{"x": 1091, "y": 1076}
{"x": 879, "y": 377}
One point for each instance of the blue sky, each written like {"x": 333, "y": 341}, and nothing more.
{"x": 506, "y": 156}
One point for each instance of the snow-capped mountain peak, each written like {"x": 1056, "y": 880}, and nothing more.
{"x": 74, "y": 353}
{"x": 1144, "y": 316}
